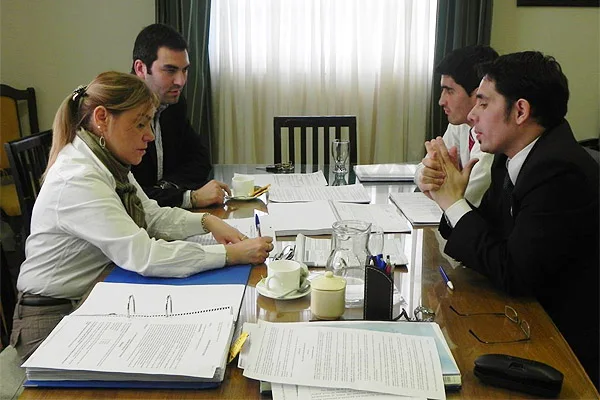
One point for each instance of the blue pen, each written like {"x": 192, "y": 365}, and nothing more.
{"x": 257, "y": 224}
{"x": 446, "y": 279}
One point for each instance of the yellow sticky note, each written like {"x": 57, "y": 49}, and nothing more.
{"x": 237, "y": 345}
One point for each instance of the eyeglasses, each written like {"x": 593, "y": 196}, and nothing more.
{"x": 421, "y": 314}
{"x": 509, "y": 313}
{"x": 287, "y": 253}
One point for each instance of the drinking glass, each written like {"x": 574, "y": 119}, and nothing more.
{"x": 340, "y": 150}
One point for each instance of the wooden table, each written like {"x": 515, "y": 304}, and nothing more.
{"x": 419, "y": 284}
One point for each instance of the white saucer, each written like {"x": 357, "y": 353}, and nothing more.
{"x": 246, "y": 198}
{"x": 262, "y": 289}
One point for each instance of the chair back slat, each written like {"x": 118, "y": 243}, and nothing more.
{"x": 28, "y": 159}
{"x": 10, "y": 116}
{"x": 316, "y": 131}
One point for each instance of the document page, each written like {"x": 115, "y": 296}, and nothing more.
{"x": 312, "y": 179}
{"x": 183, "y": 346}
{"x": 151, "y": 300}
{"x": 386, "y": 172}
{"x": 245, "y": 225}
{"x": 346, "y": 358}
{"x": 312, "y": 218}
{"x": 418, "y": 208}
{"x": 348, "y": 193}
{"x": 288, "y": 392}
{"x": 384, "y": 215}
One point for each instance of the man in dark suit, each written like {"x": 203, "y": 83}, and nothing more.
{"x": 176, "y": 166}
{"x": 536, "y": 231}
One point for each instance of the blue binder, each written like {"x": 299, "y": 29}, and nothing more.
{"x": 232, "y": 275}
{"x": 121, "y": 384}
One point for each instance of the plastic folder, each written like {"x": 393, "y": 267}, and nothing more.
{"x": 235, "y": 274}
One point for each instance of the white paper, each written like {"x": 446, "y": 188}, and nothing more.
{"x": 245, "y": 225}
{"x": 312, "y": 179}
{"x": 346, "y": 358}
{"x": 385, "y": 172}
{"x": 347, "y": 193}
{"x": 113, "y": 298}
{"x": 320, "y": 393}
{"x": 384, "y": 215}
{"x": 312, "y": 218}
{"x": 418, "y": 208}
{"x": 189, "y": 346}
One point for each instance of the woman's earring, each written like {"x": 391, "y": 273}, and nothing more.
{"x": 102, "y": 142}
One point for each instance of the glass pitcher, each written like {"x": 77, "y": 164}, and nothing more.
{"x": 349, "y": 255}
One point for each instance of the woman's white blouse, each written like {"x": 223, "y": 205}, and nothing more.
{"x": 79, "y": 225}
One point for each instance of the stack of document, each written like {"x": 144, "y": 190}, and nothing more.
{"x": 347, "y": 194}
{"x": 140, "y": 336}
{"x": 331, "y": 358}
{"x": 385, "y": 172}
{"x": 317, "y": 217}
{"x": 418, "y": 208}
{"x": 293, "y": 180}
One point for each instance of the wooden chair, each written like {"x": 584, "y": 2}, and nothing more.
{"x": 13, "y": 102}
{"x": 28, "y": 160}
{"x": 318, "y": 131}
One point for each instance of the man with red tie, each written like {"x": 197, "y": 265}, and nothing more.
{"x": 459, "y": 84}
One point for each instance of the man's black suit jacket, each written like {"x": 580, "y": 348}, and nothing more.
{"x": 544, "y": 241}
{"x": 186, "y": 161}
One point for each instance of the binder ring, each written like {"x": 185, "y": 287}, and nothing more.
{"x": 168, "y": 306}
{"x": 130, "y": 306}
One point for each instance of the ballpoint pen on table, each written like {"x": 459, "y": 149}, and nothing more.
{"x": 257, "y": 224}
{"x": 446, "y": 279}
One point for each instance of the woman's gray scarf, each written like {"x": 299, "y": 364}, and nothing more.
{"x": 126, "y": 191}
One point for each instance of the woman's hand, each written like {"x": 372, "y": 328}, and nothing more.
{"x": 222, "y": 231}
{"x": 249, "y": 251}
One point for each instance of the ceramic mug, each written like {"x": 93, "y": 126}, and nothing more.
{"x": 242, "y": 185}
{"x": 284, "y": 275}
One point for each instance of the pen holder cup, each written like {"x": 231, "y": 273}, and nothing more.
{"x": 379, "y": 294}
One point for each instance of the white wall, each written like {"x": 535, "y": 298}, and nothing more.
{"x": 55, "y": 45}
{"x": 572, "y": 36}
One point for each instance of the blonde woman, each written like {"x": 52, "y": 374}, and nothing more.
{"x": 91, "y": 212}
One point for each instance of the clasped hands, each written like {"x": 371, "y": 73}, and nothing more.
{"x": 442, "y": 179}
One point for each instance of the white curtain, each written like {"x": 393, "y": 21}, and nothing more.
{"x": 369, "y": 58}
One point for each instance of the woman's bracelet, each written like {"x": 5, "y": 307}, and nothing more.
{"x": 203, "y": 222}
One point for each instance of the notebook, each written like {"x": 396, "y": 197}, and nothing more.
{"x": 385, "y": 172}
{"x": 134, "y": 335}
{"x": 417, "y": 208}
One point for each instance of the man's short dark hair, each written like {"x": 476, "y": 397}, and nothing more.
{"x": 532, "y": 76}
{"x": 153, "y": 37}
{"x": 461, "y": 65}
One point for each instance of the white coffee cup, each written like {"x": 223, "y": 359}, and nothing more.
{"x": 242, "y": 185}
{"x": 284, "y": 275}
